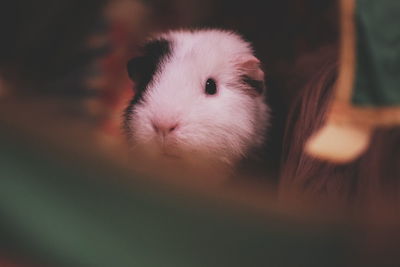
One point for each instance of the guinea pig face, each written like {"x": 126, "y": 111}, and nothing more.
{"x": 198, "y": 95}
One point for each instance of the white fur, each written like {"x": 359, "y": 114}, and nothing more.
{"x": 213, "y": 130}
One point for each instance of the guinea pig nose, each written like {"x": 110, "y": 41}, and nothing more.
{"x": 164, "y": 128}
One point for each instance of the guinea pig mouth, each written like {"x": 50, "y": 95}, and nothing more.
{"x": 170, "y": 155}
{"x": 169, "y": 151}
{"x": 167, "y": 146}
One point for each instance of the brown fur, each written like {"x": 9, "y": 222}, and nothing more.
{"x": 369, "y": 180}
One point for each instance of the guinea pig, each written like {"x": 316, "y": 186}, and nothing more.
{"x": 199, "y": 102}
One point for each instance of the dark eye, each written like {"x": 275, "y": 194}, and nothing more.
{"x": 211, "y": 87}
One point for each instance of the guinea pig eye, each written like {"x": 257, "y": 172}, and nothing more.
{"x": 211, "y": 87}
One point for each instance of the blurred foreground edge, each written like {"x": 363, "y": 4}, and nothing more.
{"x": 65, "y": 202}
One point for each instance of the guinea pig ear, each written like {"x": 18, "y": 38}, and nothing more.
{"x": 251, "y": 67}
{"x": 252, "y": 75}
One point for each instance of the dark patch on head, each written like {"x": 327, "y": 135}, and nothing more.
{"x": 142, "y": 69}
{"x": 258, "y": 86}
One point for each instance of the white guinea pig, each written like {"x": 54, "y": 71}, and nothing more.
{"x": 199, "y": 101}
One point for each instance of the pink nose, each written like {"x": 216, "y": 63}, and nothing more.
{"x": 164, "y": 128}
